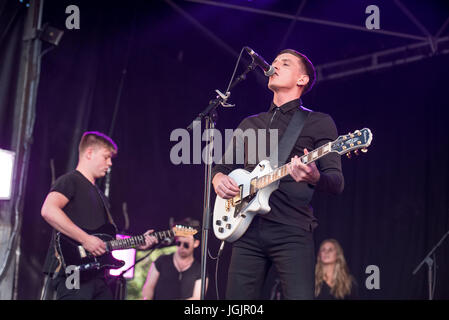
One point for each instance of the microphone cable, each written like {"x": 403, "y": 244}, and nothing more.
{"x": 220, "y": 250}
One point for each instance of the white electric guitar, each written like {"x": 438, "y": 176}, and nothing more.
{"x": 232, "y": 217}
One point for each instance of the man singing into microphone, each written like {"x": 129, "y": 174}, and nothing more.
{"x": 284, "y": 236}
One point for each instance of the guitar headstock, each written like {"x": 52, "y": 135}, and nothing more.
{"x": 183, "y": 231}
{"x": 359, "y": 139}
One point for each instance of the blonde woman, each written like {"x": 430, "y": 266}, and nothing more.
{"x": 332, "y": 277}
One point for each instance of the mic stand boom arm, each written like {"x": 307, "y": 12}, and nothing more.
{"x": 221, "y": 98}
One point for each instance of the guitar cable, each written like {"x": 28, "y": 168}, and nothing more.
{"x": 220, "y": 250}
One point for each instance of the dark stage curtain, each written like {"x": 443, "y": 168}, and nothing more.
{"x": 395, "y": 205}
{"x": 12, "y": 16}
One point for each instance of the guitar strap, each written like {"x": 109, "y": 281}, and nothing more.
{"x": 57, "y": 256}
{"x": 291, "y": 134}
{"x": 106, "y": 207}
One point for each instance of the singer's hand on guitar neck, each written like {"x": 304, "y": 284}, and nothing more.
{"x": 224, "y": 186}
{"x": 302, "y": 172}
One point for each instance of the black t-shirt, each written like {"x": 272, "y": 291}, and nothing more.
{"x": 290, "y": 202}
{"x": 173, "y": 284}
{"x": 85, "y": 207}
{"x": 325, "y": 293}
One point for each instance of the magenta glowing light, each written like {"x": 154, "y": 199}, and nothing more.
{"x": 6, "y": 173}
{"x": 127, "y": 255}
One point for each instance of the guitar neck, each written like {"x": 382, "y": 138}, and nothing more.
{"x": 281, "y": 172}
{"x": 133, "y": 242}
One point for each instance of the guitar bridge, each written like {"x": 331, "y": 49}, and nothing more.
{"x": 235, "y": 200}
{"x": 238, "y": 198}
{"x": 232, "y": 202}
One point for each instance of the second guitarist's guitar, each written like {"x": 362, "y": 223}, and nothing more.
{"x": 232, "y": 217}
{"x": 73, "y": 253}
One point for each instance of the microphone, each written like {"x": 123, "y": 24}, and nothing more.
{"x": 267, "y": 69}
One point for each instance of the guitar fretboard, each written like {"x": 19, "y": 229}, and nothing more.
{"x": 281, "y": 172}
{"x": 132, "y": 242}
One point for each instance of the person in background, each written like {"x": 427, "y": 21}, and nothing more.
{"x": 176, "y": 276}
{"x": 332, "y": 277}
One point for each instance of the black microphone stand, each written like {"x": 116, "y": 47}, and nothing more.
{"x": 430, "y": 264}
{"x": 210, "y": 115}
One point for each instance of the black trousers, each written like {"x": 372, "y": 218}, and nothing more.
{"x": 290, "y": 249}
{"x": 91, "y": 288}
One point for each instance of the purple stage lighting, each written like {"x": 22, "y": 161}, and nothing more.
{"x": 6, "y": 173}
{"x": 127, "y": 255}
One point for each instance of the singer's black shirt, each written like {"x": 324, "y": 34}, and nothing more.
{"x": 290, "y": 203}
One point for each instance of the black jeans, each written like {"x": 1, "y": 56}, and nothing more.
{"x": 290, "y": 249}
{"x": 91, "y": 288}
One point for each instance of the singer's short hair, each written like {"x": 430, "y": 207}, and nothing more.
{"x": 308, "y": 66}
{"x": 95, "y": 138}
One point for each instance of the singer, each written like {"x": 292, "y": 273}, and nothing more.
{"x": 284, "y": 236}
{"x": 75, "y": 202}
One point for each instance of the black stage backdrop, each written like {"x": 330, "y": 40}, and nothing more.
{"x": 12, "y": 18}
{"x": 395, "y": 205}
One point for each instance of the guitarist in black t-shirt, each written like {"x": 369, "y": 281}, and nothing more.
{"x": 75, "y": 204}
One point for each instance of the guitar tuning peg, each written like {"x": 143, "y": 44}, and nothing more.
{"x": 348, "y": 155}
{"x": 364, "y": 150}
{"x": 356, "y": 152}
